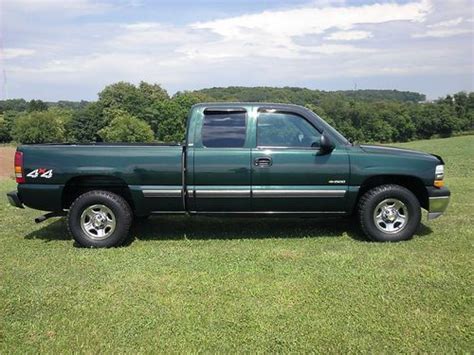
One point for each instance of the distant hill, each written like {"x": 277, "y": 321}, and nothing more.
{"x": 379, "y": 95}
{"x": 302, "y": 96}
{"x": 294, "y": 95}
{"x": 20, "y": 105}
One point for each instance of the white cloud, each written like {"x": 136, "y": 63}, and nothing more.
{"x": 313, "y": 20}
{"x": 348, "y": 35}
{"x": 323, "y": 40}
{"x": 79, "y": 6}
{"x": 272, "y": 33}
{"x": 442, "y": 33}
{"x": 10, "y": 53}
{"x": 447, "y": 28}
{"x": 447, "y": 23}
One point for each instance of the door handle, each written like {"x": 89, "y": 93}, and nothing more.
{"x": 263, "y": 162}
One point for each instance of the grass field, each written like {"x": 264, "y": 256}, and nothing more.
{"x": 220, "y": 285}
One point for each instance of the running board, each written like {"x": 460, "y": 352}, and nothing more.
{"x": 49, "y": 215}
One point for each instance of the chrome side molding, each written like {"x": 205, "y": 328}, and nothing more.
{"x": 222, "y": 193}
{"x": 247, "y": 193}
{"x": 297, "y": 193}
{"x": 162, "y": 193}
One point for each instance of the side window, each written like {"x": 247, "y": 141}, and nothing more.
{"x": 285, "y": 130}
{"x": 224, "y": 130}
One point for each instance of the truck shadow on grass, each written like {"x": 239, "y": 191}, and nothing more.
{"x": 209, "y": 228}
{"x": 204, "y": 228}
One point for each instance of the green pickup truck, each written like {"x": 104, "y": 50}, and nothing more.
{"x": 238, "y": 159}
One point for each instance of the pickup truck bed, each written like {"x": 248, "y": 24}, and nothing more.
{"x": 143, "y": 169}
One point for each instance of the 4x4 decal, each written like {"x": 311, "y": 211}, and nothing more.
{"x": 41, "y": 172}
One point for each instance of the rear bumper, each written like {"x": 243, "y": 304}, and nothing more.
{"x": 14, "y": 199}
{"x": 438, "y": 201}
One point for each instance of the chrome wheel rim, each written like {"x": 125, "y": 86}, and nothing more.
{"x": 391, "y": 216}
{"x": 98, "y": 222}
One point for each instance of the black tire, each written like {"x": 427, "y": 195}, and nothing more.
{"x": 383, "y": 195}
{"x": 117, "y": 211}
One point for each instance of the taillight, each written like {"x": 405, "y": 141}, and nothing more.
{"x": 20, "y": 179}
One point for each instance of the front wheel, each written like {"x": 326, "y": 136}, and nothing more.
{"x": 99, "y": 219}
{"x": 389, "y": 213}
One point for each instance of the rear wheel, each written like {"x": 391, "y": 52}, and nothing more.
{"x": 389, "y": 213}
{"x": 99, "y": 219}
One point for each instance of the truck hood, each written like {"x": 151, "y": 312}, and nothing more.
{"x": 380, "y": 149}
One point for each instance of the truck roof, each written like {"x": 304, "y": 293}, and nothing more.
{"x": 240, "y": 104}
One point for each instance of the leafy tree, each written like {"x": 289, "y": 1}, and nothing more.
{"x": 377, "y": 130}
{"x": 186, "y": 99}
{"x": 464, "y": 106}
{"x": 17, "y": 105}
{"x": 86, "y": 123}
{"x": 302, "y": 96}
{"x": 403, "y": 128}
{"x": 4, "y": 132}
{"x": 36, "y": 105}
{"x": 64, "y": 115}
{"x": 130, "y": 98}
{"x": 383, "y": 95}
{"x": 447, "y": 120}
{"x": 397, "y": 117}
{"x": 321, "y": 113}
{"x": 9, "y": 118}
{"x": 38, "y": 127}
{"x": 168, "y": 117}
{"x": 425, "y": 119}
{"x": 469, "y": 125}
{"x": 152, "y": 92}
{"x": 170, "y": 121}
{"x": 122, "y": 96}
{"x": 124, "y": 127}
{"x": 71, "y": 105}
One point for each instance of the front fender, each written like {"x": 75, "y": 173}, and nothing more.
{"x": 366, "y": 165}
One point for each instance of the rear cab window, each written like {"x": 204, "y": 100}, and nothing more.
{"x": 222, "y": 129}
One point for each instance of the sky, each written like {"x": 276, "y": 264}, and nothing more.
{"x": 70, "y": 49}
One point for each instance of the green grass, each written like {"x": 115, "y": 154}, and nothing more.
{"x": 217, "y": 285}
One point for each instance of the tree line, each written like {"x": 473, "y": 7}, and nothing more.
{"x": 147, "y": 113}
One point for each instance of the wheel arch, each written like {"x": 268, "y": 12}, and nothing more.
{"x": 79, "y": 185}
{"x": 412, "y": 183}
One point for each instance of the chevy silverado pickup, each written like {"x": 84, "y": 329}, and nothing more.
{"x": 238, "y": 159}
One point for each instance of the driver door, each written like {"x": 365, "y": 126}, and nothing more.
{"x": 289, "y": 173}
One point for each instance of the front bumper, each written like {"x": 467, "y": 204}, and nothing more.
{"x": 438, "y": 201}
{"x": 14, "y": 199}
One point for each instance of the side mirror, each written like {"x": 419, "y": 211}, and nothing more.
{"x": 326, "y": 145}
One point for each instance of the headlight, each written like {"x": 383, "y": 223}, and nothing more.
{"x": 439, "y": 172}
{"x": 439, "y": 176}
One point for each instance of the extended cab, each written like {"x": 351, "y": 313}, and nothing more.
{"x": 238, "y": 158}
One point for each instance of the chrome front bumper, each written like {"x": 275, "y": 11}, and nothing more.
{"x": 439, "y": 201}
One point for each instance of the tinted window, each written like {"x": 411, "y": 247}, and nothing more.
{"x": 285, "y": 130}
{"x": 224, "y": 130}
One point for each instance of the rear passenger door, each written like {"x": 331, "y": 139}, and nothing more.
{"x": 289, "y": 173}
{"x": 221, "y": 162}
